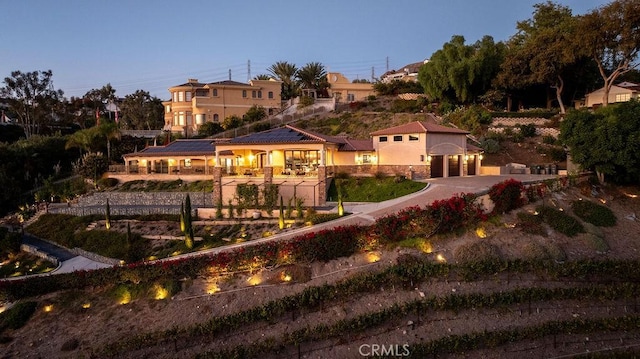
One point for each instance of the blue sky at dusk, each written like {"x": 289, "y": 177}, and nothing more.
{"x": 153, "y": 45}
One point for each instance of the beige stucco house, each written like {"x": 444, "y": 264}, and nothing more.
{"x": 621, "y": 92}
{"x": 428, "y": 149}
{"x": 406, "y": 73}
{"x": 344, "y": 90}
{"x": 302, "y": 163}
{"x": 194, "y": 103}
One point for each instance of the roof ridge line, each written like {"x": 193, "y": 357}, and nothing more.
{"x": 306, "y": 133}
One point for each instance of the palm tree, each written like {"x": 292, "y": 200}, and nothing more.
{"x": 286, "y": 73}
{"x": 262, "y": 77}
{"x": 313, "y": 76}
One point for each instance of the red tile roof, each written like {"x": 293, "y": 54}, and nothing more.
{"x": 418, "y": 127}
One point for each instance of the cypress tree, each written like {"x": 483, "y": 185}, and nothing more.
{"x": 281, "y": 215}
{"x": 107, "y": 223}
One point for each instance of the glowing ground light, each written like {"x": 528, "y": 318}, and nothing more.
{"x": 255, "y": 279}
{"x": 213, "y": 288}
{"x": 86, "y": 305}
{"x": 125, "y": 298}
{"x": 481, "y": 233}
{"x": 161, "y": 293}
{"x": 440, "y": 258}
{"x": 48, "y": 308}
{"x": 426, "y": 247}
{"x": 286, "y": 277}
{"x": 373, "y": 257}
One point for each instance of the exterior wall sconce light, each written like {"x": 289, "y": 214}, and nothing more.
{"x": 428, "y": 158}
{"x": 466, "y": 157}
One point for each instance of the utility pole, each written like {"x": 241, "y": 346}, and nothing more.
{"x": 229, "y": 74}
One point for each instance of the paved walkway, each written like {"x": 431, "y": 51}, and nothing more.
{"x": 361, "y": 214}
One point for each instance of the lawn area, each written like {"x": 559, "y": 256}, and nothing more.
{"x": 373, "y": 189}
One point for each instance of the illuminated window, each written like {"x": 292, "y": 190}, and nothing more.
{"x": 187, "y": 162}
{"x": 366, "y": 158}
{"x": 623, "y": 97}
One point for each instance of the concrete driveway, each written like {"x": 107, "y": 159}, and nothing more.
{"x": 366, "y": 213}
{"x": 361, "y": 213}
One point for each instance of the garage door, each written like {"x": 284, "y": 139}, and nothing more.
{"x": 436, "y": 167}
{"x": 454, "y": 166}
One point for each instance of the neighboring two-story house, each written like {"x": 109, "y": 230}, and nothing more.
{"x": 344, "y": 90}
{"x": 194, "y": 103}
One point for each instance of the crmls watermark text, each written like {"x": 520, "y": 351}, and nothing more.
{"x": 394, "y": 350}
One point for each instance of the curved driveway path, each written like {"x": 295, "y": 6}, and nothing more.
{"x": 361, "y": 214}
{"x": 366, "y": 213}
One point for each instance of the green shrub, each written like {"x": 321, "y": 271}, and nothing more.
{"x": 9, "y": 241}
{"x": 594, "y": 213}
{"x": 17, "y": 316}
{"x": 528, "y": 130}
{"x": 557, "y": 154}
{"x": 530, "y": 223}
{"x": 548, "y": 139}
{"x": 490, "y": 145}
{"x": 108, "y": 182}
{"x": 560, "y": 221}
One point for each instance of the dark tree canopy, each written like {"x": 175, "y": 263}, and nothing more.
{"x": 141, "y": 111}
{"x": 462, "y": 73}
{"x": 31, "y": 98}
{"x": 605, "y": 140}
{"x": 543, "y": 51}
{"x": 610, "y": 35}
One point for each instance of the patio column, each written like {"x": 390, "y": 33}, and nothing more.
{"x": 206, "y": 165}
{"x": 445, "y": 166}
{"x": 217, "y": 185}
{"x": 268, "y": 158}
{"x": 322, "y": 157}
{"x": 322, "y": 186}
{"x": 217, "y": 163}
{"x": 465, "y": 166}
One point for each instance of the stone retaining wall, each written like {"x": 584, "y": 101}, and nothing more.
{"x": 95, "y": 257}
{"x": 36, "y": 252}
{"x": 198, "y": 199}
